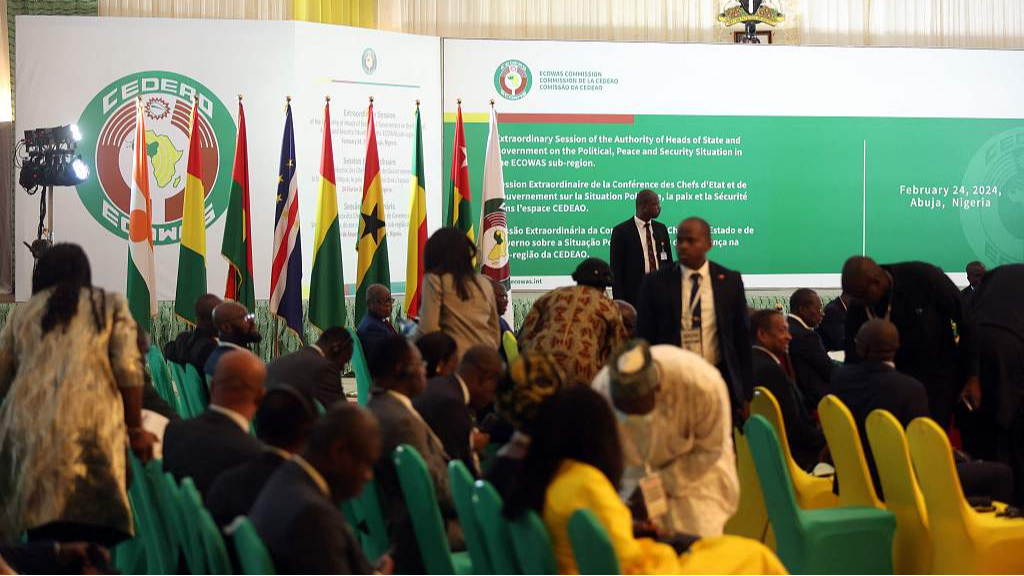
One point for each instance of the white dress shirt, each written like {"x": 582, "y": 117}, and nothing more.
{"x": 313, "y": 473}
{"x": 800, "y": 320}
{"x": 709, "y": 324}
{"x": 235, "y": 417}
{"x": 648, "y": 265}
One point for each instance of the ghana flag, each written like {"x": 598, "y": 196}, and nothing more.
{"x": 372, "y": 241}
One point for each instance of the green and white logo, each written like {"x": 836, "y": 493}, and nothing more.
{"x": 369, "y": 61}
{"x": 513, "y": 79}
{"x": 995, "y": 177}
{"x": 108, "y": 139}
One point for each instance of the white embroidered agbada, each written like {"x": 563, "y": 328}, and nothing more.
{"x": 692, "y": 450}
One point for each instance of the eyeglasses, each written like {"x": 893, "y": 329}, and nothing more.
{"x": 250, "y": 317}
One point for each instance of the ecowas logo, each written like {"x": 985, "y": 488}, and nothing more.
{"x": 108, "y": 130}
{"x": 995, "y": 229}
{"x": 513, "y": 79}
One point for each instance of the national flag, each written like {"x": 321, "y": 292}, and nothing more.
{"x": 192, "y": 251}
{"x": 493, "y": 247}
{"x": 327, "y": 286}
{"x": 141, "y": 266}
{"x": 460, "y": 199}
{"x": 237, "y": 244}
{"x": 286, "y": 268}
{"x": 417, "y": 226}
{"x": 372, "y": 241}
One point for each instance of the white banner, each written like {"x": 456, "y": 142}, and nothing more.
{"x": 90, "y": 70}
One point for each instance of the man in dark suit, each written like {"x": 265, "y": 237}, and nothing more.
{"x": 811, "y": 364}
{"x": 451, "y": 404}
{"x": 770, "y": 345}
{"x": 376, "y": 324}
{"x": 1000, "y": 314}
{"x": 218, "y": 439}
{"x": 975, "y": 272}
{"x": 399, "y": 377}
{"x": 283, "y": 422}
{"x": 195, "y": 346}
{"x": 236, "y": 330}
{"x": 712, "y": 309}
{"x": 875, "y": 384}
{"x": 833, "y": 324}
{"x": 315, "y": 369}
{"x": 924, "y": 304}
{"x": 298, "y": 514}
{"x": 639, "y": 246}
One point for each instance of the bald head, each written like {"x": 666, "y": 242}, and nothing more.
{"x": 878, "y": 340}
{"x": 863, "y": 279}
{"x": 379, "y": 302}
{"x": 204, "y": 312}
{"x": 343, "y": 446}
{"x": 480, "y": 369}
{"x": 648, "y": 205}
{"x": 628, "y": 316}
{"x": 238, "y": 382}
{"x": 235, "y": 324}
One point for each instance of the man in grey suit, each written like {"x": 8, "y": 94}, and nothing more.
{"x": 315, "y": 369}
{"x": 398, "y": 377}
{"x": 297, "y": 514}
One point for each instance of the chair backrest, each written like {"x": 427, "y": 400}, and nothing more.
{"x": 461, "y": 482}
{"x": 362, "y": 369}
{"x": 148, "y": 520}
{"x": 421, "y": 501}
{"x": 912, "y": 546}
{"x": 374, "y": 532}
{"x": 510, "y": 345}
{"x": 590, "y": 544}
{"x": 751, "y": 517}
{"x": 532, "y": 544}
{"x": 217, "y": 559}
{"x": 180, "y": 382}
{"x": 487, "y": 505}
{"x": 169, "y": 500}
{"x": 855, "y": 485}
{"x": 948, "y": 511}
{"x": 811, "y": 492}
{"x": 197, "y": 386}
{"x": 777, "y": 487}
{"x": 195, "y": 554}
{"x": 252, "y": 554}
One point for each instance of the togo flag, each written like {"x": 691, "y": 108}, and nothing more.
{"x": 327, "y": 285}
{"x": 237, "y": 244}
{"x": 372, "y": 243}
{"x": 460, "y": 198}
{"x": 493, "y": 246}
{"x": 141, "y": 290}
{"x": 192, "y": 253}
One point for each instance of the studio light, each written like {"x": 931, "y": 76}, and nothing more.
{"x": 47, "y": 157}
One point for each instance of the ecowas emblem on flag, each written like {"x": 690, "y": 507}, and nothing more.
{"x": 108, "y": 137}
{"x": 513, "y": 79}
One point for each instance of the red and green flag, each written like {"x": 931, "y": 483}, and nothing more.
{"x": 237, "y": 244}
{"x": 372, "y": 241}
{"x": 192, "y": 252}
{"x": 460, "y": 198}
{"x": 327, "y": 285}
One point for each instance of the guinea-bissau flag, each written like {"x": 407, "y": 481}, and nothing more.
{"x": 459, "y": 196}
{"x": 417, "y": 225}
{"x": 141, "y": 289}
{"x": 327, "y": 285}
{"x": 372, "y": 241}
{"x": 192, "y": 252}
{"x": 237, "y": 244}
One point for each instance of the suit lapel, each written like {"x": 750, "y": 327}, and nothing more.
{"x": 717, "y": 291}
{"x": 675, "y": 276}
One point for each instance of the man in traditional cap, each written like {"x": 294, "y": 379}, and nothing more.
{"x": 579, "y": 325}
{"x": 674, "y": 421}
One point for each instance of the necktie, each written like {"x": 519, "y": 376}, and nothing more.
{"x": 652, "y": 262}
{"x": 391, "y": 328}
{"x": 695, "y": 300}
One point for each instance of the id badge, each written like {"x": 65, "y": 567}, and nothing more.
{"x": 664, "y": 256}
{"x": 654, "y": 496}
{"x": 692, "y": 341}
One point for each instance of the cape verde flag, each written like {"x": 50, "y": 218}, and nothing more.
{"x": 286, "y": 269}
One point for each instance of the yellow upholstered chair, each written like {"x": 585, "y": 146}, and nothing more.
{"x": 855, "y": 485}
{"x": 912, "y": 547}
{"x": 811, "y": 492}
{"x": 963, "y": 541}
{"x": 751, "y": 517}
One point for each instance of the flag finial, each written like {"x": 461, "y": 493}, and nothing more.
{"x": 288, "y": 99}
{"x": 327, "y": 98}
{"x": 371, "y": 99}
{"x": 417, "y": 102}
{"x": 492, "y": 102}
{"x": 458, "y": 101}
{"x": 239, "y": 97}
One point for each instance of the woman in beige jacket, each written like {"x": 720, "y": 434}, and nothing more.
{"x": 457, "y": 300}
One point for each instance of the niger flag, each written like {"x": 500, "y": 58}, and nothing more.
{"x": 192, "y": 253}
{"x": 141, "y": 289}
{"x": 459, "y": 197}
{"x": 372, "y": 241}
